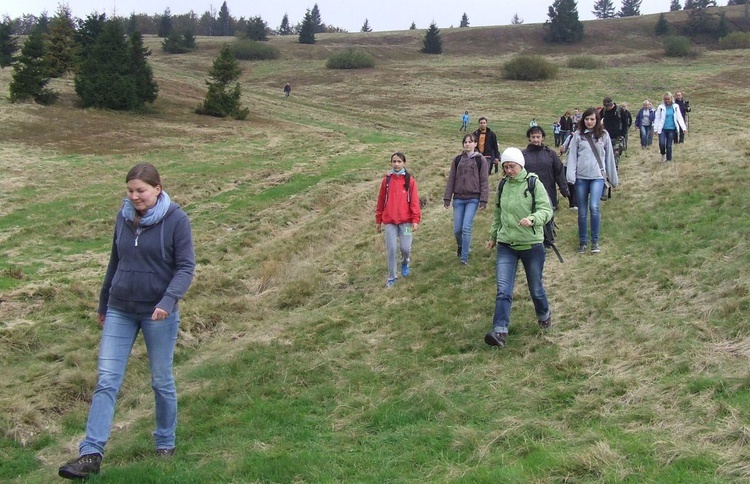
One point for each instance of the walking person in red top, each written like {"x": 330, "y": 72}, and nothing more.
{"x": 398, "y": 208}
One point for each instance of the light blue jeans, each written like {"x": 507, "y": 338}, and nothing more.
{"x": 118, "y": 336}
{"x": 589, "y": 193}
{"x": 647, "y": 134}
{"x": 507, "y": 266}
{"x": 463, "y": 220}
{"x": 393, "y": 235}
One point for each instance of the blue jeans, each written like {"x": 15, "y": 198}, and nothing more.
{"x": 507, "y": 266}
{"x": 118, "y": 335}
{"x": 666, "y": 138}
{"x": 588, "y": 194}
{"x": 647, "y": 134}
{"x": 463, "y": 220}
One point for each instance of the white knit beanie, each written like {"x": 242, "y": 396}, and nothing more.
{"x": 514, "y": 155}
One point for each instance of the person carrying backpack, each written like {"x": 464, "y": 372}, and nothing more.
{"x": 518, "y": 234}
{"x": 398, "y": 208}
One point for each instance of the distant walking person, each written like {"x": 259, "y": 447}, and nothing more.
{"x": 487, "y": 144}
{"x": 464, "y": 122}
{"x": 666, "y": 122}
{"x": 468, "y": 187}
{"x": 589, "y": 167}
{"x": 150, "y": 268}
{"x": 518, "y": 234}
{"x": 684, "y": 105}
{"x": 398, "y": 208}
{"x": 644, "y": 121}
{"x": 287, "y": 90}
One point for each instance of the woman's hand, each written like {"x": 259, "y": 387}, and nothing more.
{"x": 159, "y": 315}
{"x": 100, "y": 319}
{"x": 526, "y": 222}
{"x": 491, "y": 244}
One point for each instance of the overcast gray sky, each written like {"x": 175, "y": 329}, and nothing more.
{"x": 349, "y": 15}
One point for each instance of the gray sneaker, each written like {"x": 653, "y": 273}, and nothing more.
{"x": 581, "y": 249}
{"x": 495, "y": 339}
{"x": 595, "y": 248}
{"x": 546, "y": 324}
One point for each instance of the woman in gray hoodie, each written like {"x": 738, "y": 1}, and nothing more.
{"x": 590, "y": 166}
{"x": 150, "y": 268}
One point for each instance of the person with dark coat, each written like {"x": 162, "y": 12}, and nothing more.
{"x": 684, "y": 105}
{"x": 487, "y": 144}
{"x": 545, "y": 163}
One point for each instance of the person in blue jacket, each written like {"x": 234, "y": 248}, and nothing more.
{"x": 151, "y": 266}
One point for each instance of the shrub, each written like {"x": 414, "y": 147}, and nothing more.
{"x": 585, "y": 62}
{"x": 735, "y": 40}
{"x": 678, "y": 46}
{"x": 529, "y": 68}
{"x": 254, "y": 50}
{"x": 178, "y": 42}
{"x": 351, "y": 59}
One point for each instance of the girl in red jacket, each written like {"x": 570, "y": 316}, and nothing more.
{"x": 398, "y": 208}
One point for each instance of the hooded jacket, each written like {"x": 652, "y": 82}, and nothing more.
{"x": 468, "y": 180}
{"x": 548, "y": 167}
{"x": 582, "y": 162}
{"x": 151, "y": 269}
{"x": 395, "y": 206}
{"x": 515, "y": 205}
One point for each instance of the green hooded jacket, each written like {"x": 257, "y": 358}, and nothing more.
{"x": 515, "y": 205}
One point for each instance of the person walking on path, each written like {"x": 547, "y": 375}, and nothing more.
{"x": 590, "y": 167}
{"x": 487, "y": 144}
{"x": 398, "y": 209}
{"x": 644, "y": 121}
{"x": 468, "y": 187}
{"x": 464, "y": 122}
{"x": 545, "y": 163}
{"x": 517, "y": 233}
{"x": 667, "y": 120}
{"x": 150, "y": 268}
{"x": 287, "y": 89}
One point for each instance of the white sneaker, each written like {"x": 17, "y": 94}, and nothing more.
{"x": 663, "y": 158}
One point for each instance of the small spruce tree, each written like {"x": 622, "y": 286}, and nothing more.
{"x": 146, "y": 88}
{"x": 675, "y": 6}
{"x": 464, "y": 20}
{"x": 563, "y": 24}
{"x": 257, "y": 29}
{"x": 319, "y": 26}
{"x": 366, "y": 27}
{"x": 285, "y": 28}
{"x": 630, "y": 8}
{"x": 222, "y": 100}
{"x": 604, "y": 9}
{"x": 413, "y": 26}
{"x": 61, "y": 43}
{"x": 165, "y": 24}
{"x": 307, "y": 29}
{"x": 8, "y": 43}
{"x": 516, "y": 20}
{"x": 662, "y": 27}
{"x": 31, "y": 72}
{"x": 433, "y": 41}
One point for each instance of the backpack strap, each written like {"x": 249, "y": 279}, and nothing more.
{"x": 476, "y": 158}
{"x": 407, "y": 185}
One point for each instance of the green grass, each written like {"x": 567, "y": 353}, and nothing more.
{"x": 294, "y": 364}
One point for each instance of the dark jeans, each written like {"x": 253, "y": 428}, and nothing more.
{"x": 666, "y": 138}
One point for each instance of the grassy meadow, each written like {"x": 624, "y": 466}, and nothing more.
{"x": 295, "y": 364}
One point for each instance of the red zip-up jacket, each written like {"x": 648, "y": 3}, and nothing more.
{"x": 393, "y": 207}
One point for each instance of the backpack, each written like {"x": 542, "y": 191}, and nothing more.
{"x": 549, "y": 227}
{"x": 407, "y": 184}
{"x": 476, "y": 158}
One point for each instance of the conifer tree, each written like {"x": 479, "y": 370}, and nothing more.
{"x": 31, "y": 72}
{"x": 318, "y": 25}
{"x": 675, "y": 6}
{"x": 146, "y": 88}
{"x": 307, "y": 29}
{"x": 257, "y": 29}
{"x": 8, "y": 43}
{"x": 516, "y": 20}
{"x": 413, "y": 26}
{"x": 225, "y": 21}
{"x": 221, "y": 99}
{"x": 604, "y": 9}
{"x": 285, "y": 28}
{"x": 366, "y": 27}
{"x": 464, "y": 20}
{"x": 61, "y": 45}
{"x": 630, "y": 8}
{"x": 563, "y": 24}
{"x": 433, "y": 41}
{"x": 165, "y": 24}
{"x": 662, "y": 27}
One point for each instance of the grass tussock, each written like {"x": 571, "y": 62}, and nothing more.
{"x": 294, "y": 363}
